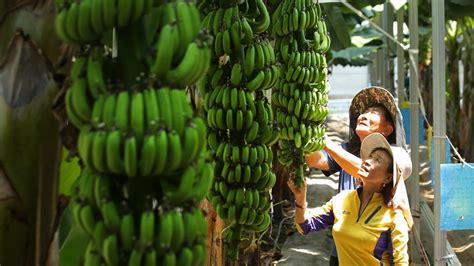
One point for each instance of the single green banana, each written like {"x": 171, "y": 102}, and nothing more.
{"x": 178, "y": 231}
{"x": 91, "y": 257}
{"x": 256, "y": 82}
{"x": 72, "y": 22}
{"x": 122, "y": 111}
{"x": 165, "y": 232}
{"x": 127, "y": 232}
{"x": 147, "y": 155}
{"x": 236, "y": 74}
{"x": 130, "y": 156}
{"x": 110, "y": 250}
{"x": 185, "y": 257}
{"x": 178, "y": 98}
{"x": 165, "y": 49}
{"x": 72, "y": 115}
{"x": 147, "y": 229}
{"x": 109, "y": 111}
{"x": 174, "y": 152}
{"x": 59, "y": 26}
{"x": 84, "y": 25}
{"x": 136, "y": 257}
{"x": 100, "y": 234}
{"x": 109, "y": 11}
{"x": 99, "y": 152}
{"x": 249, "y": 65}
{"x": 138, "y": 10}
{"x": 97, "y": 21}
{"x": 95, "y": 76}
{"x": 111, "y": 216}
{"x": 180, "y": 75}
{"x": 190, "y": 145}
{"x": 162, "y": 155}
{"x": 164, "y": 105}
{"x": 185, "y": 25}
{"x": 124, "y": 12}
{"x": 87, "y": 219}
{"x": 80, "y": 100}
{"x": 113, "y": 147}
{"x": 137, "y": 116}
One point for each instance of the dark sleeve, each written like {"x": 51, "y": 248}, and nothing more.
{"x": 333, "y": 165}
{"x": 321, "y": 218}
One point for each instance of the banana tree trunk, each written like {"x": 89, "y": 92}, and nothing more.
{"x": 466, "y": 128}
{"x": 29, "y": 135}
{"x": 29, "y": 156}
{"x": 452, "y": 86}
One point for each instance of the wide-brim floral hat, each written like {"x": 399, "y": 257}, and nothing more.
{"x": 370, "y": 96}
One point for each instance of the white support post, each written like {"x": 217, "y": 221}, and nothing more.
{"x": 439, "y": 121}
{"x": 383, "y": 53}
{"x": 400, "y": 58}
{"x": 414, "y": 115}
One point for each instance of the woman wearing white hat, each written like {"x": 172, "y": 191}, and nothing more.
{"x": 373, "y": 109}
{"x": 370, "y": 225}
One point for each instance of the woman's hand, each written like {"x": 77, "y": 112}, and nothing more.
{"x": 298, "y": 192}
{"x": 328, "y": 143}
{"x": 300, "y": 198}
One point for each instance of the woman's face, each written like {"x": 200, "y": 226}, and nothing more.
{"x": 374, "y": 170}
{"x": 373, "y": 120}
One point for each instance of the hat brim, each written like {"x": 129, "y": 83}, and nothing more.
{"x": 371, "y": 96}
{"x": 401, "y": 160}
{"x": 372, "y": 142}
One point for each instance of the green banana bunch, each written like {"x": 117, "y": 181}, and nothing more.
{"x": 88, "y": 20}
{"x": 239, "y": 118}
{"x": 295, "y": 15}
{"x": 192, "y": 67}
{"x": 141, "y": 144}
{"x": 262, "y": 20}
{"x": 300, "y": 95}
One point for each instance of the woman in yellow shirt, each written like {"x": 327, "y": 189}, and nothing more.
{"x": 370, "y": 225}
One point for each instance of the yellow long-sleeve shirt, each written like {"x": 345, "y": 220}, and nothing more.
{"x": 379, "y": 236}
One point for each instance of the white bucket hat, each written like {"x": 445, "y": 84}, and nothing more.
{"x": 401, "y": 171}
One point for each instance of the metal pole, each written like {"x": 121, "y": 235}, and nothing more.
{"x": 400, "y": 57}
{"x": 383, "y": 54}
{"x": 414, "y": 114}
{"x": 439, "y": 120}
{"x": 390, "y": 50}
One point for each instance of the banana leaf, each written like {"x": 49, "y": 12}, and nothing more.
{"x": 36, "y": 20}
{"x": 354, "y": 56}
{"x": 29, "y": 155}
{"x": 68, "y": 173}
{"x": 338, "y": 29}
{"x": 73, "y": 241}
